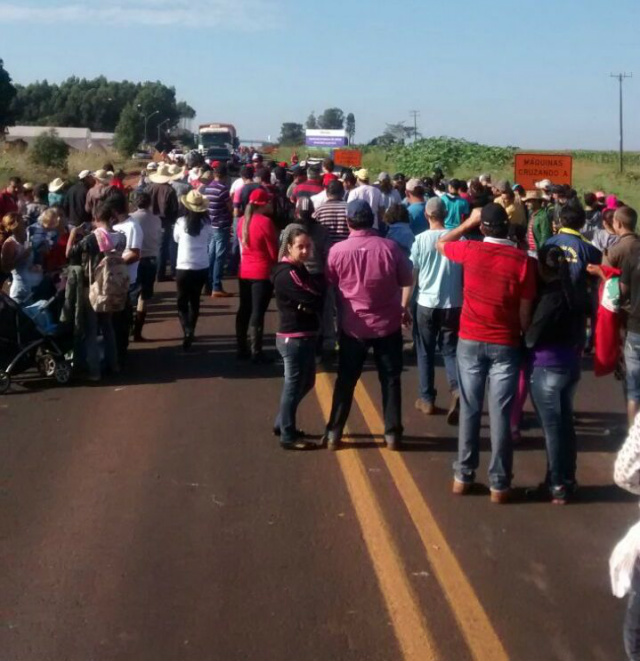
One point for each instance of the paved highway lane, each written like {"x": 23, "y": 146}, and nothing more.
{"x": 154, "y": 517}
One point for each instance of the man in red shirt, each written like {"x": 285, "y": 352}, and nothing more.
{"x": 9, "y": 197}
{"x": 499, "y": 288}
{"x": 312, "y": 186}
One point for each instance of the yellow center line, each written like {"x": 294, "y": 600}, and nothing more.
{"x": 475, "y": 626}
{"x": 415, "y": 640}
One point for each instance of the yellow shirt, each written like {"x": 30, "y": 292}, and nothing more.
{"x": 516, "y": 211}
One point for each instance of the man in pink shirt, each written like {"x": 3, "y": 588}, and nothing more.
{"x": 369, "y": 273}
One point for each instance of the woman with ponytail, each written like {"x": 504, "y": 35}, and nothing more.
{"x": 258, "y": 255}
{"x": 554, "y": 339}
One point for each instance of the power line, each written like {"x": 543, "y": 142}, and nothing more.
{"x": 415, "y": 114}
{"x": 621, "y": 77}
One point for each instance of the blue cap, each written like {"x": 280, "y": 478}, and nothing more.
{"x": 358, "y": 206}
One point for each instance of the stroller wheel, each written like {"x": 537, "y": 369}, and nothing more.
{"x": 5, "y": 382}
{"x": 47, "y": 365}
{"x": 62, "y": 373}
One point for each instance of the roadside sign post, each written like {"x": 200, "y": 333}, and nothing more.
{"x": 530, "y": 168}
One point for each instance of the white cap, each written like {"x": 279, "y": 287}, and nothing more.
{"x": 544, "y": 184}
{"x": 84, "y": 173}
{"x": 152, "y": 166}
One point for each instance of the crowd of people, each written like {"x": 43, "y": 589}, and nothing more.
{"x": 502, "y": 282}
{"x": 512, "y": 287}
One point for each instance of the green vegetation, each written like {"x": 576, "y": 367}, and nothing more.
{"x": 7, "y": 94}
{"x": 592, "y": 170}
{"x": 49, "y": 150}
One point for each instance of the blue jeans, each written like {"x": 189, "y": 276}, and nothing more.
{"x": 387, "y": 354}
{"x": 632, "y": 620}
{"x": 632, "y": 364}
{"x": 233, "y": 261}
{"x": 218, "y": 248}
{"x": 552, "y": 392}
{"x": 500, "y": 364}
{"x": 103, "y": 322}
{"x": 436, "y": 327}
{"x": 299, "y": 356}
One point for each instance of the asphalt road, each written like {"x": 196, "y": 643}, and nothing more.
{"x": 154, "y": 517}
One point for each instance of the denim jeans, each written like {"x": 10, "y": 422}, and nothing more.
{"x": 552, "y": 392}
{"x": 632, "y": 364}
{"x": 218, "y": 249}
{"x": 500, "y": 364}
{"x": 168, "y": 252}
{"x": 233, "y": 261}
{"x": 387, "y": 353}
{"x": 100, "y": 321}
{"x": 298, "y": 354}
{"x": 632, "y": 620}
{"x": 436, "y": 327}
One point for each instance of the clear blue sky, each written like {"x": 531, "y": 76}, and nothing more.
{"x": 533, "y": 73}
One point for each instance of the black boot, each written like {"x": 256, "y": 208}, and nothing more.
{"x": 257, "y": 355}
{"x": 138, "y": 323}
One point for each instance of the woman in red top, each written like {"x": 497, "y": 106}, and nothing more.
{"x": 258, "y": 255}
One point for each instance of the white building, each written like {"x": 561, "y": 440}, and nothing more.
{"x": 80, "y": 139}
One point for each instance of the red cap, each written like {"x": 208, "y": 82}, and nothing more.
{"x": 283, "y": 164}
{"x": 215, "y": 164}
{"x": 259, "y": 197}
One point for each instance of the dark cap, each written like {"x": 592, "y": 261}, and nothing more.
{"x": 494, "y": 215}
{"x": 398, "y": 176}
{"x": 358, "y": 206}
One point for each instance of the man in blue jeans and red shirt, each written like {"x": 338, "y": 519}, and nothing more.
{"x": 499, "y": 288}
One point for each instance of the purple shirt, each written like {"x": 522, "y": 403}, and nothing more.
{"x": 369, "y": 273}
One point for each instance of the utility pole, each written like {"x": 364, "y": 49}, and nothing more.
{"x": 621, "y": 77}
{"x": 166, "y": 121}
{"x": 415, "y": 114}
{"x": 146, "y": 121}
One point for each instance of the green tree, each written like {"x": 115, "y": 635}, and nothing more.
{"x": 291, "y": 134}
{"x": 49, "y": 150}
{"x": 185, "y": 111}
{"x": 394, "y": 134}
{"x": 312, "y": 122}
{"x": 7, "y": 94}
{"x": 331, "y": 118}
{"x": 158, "y": 103}
{"x": 129, "y": 131}
{"x": 350, "y": 126}
{"x": 95, "y": 103}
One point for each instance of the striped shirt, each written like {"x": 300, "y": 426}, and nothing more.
{"x": 333, "y": 215}
{"x": 218, "y": 195}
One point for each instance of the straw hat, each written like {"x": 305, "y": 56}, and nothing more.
{"x": 56, "y": 185}
{"x": 194, "y": 201}
{"x": 533, "y": 195}
{"x": 102, "y": 176}
{"x": 177, "y": 172}
{"x": 162, "y": 176}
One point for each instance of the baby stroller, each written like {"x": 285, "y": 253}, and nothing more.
{"x": 32, "y": 341}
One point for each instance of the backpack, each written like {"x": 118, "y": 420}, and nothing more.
{"x": 109, "y": 284}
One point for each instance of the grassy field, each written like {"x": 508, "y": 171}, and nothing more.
{"x": 591, "y": 170}
{"x": 17, "y": 163}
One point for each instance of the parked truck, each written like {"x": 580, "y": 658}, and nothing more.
{"x": 217, "y": 141}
